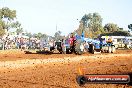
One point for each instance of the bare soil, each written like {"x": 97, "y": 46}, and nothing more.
{"x": 20, "y": 70}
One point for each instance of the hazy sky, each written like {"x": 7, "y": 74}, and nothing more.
{"x": 43, "y": 15}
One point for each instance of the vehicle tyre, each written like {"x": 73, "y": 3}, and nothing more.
{"x": 79, "y": 52}
{"x": 67, "y": 51}
{"x": 93, "y": 51}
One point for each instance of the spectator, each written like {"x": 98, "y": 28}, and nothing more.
{"x": 86, "y": 46}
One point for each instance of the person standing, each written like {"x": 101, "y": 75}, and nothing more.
{"x": 86, "y": 46}
{"x": 63, "y": 46}
{"x": 21, "y": 43}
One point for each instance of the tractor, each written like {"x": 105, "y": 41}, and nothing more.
{"x": 70, "y": 45}
{"x": 98, "y": 46}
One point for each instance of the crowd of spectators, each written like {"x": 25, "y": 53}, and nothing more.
{"x": 19, "y": 43}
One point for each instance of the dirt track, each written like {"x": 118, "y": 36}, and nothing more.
{"x": 20, "y": 70}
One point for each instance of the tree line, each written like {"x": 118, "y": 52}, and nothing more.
{"x": 90, "y": 24}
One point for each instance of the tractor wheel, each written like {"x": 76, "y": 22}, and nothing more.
{"x": 60, "y": 51}
{"x": 79, "y": 52}
{"x": 79, "y": 49}
{"x": 93, "y": 51}
{"x": 90, "y": 48}
{"x": 68, "y": 51}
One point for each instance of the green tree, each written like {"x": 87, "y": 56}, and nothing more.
{"x": 93, "y": 21}
{"x": 34, "y": 35}
{"x": 2, "y": 31}
{"x": 17, "y": 26}
{"x": 111, "y": 27}
{"x": 7, "y": 13}
{"x": 91, "y": 25}
{"x": 44, "y": 36}
{"x": 58, "y": 36}
{"x": 6, "y": 18}
{"x": 29, "y": 35}
{"x": 39, "y": 35}
{"x": 117, "y": 33}
{"x": 19, "y": 30}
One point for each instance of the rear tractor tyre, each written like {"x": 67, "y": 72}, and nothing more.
{"x": 79, "y": 52}
{"x": 93, "y": 51}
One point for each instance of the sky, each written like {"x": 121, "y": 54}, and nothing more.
{"x": 46, "y": 16}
